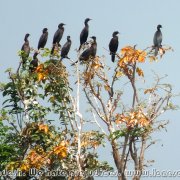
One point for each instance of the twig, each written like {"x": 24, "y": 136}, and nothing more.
{"x": 99, "y": 124}
{"x": 93, "y": 106}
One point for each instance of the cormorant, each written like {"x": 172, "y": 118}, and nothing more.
{"x": 157, "y": 39}
{"x": 84, "y": 33}
{"x": 90, "y": 52}
{"x": 34, "y": 62}
{"x": 93, "y": 47}
{"x": 65, "y": 49}
{"x": 43, "y": 38}
{"x": 25, "y": 48}
{"x": 113, "y": 45}
{"x": 57, "y": 36}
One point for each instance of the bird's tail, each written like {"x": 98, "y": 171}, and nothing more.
{"x": 35, "y": 55}
{"x": 79, "y": 47}
{"x": 112, "y": 57}
{"x": 52, "y": 50}
{"x": 156, "y": 51}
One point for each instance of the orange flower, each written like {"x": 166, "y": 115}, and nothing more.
{"x": 151, "y": 90}
{"x": 61, "y": 150}
{"x": 24, "y": 167}
{"x": 40, "y": 68}
{"x": 141, "y": 55}
{"x": 87, "y": 77}
{"x": 42, "y": 73}
{"x": 96, "y": 64}
{"x": 140, "y": 72}
{"x": 34, "y": 159}
{"x": 132, "y": 119}
{"x": 131, "y": 55}
{"x": 33, "y": 156}
{"x": 44, "y": 127}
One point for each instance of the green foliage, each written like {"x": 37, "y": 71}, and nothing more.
{"x": 30, "y": 139}
{"x": 117, "y": 134}
{"x": 8, "y": 149}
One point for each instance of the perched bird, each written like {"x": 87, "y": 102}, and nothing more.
{"x": 113, "y": 45}
{"x": 157, "y": 39}
{"x": 58, "y": 36}
{"x": 65, "y": 49}
{"x": 84, "y": 33}
{"x": 93, "y": 47}
{"x": 43, "y": 39}
{"x": 88, "y": 53}
{"x": 25, "y": 48}
{"x": 34, "y": 62}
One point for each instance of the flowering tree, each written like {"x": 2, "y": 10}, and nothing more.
{"x": 129, "y": 127}
{"x": 42, "y": 122}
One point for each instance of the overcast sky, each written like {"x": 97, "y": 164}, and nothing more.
{"x": 135, "y": 20}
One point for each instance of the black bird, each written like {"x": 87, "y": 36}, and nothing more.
{"x": 93, "y": 47}
{"x": 113, "y": 45}
{"x": 65, "y": 49}
{"x": 58, "y": 36}
{"x": 84, "y": 33}
{"x": 25, "y": 48}
{"x": 157, "y": 39}
{"x": 43, "y": 39}
{"x": 34, "y": 62}
{"x": 90, "y": 52}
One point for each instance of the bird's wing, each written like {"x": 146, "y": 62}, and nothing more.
{"x": 85, "y": 55}
{"x": 22, "y": 49}
{"x": 61, "y": 33}
{"x": 56, "y": 36}
{"x": 41, "y": 40}
{"x": 157, "y": 38}
{"x": 113, "y": 45}
{"x": 84, "y": 35}
{"x": 26, "y": 48}
{"x": 65, "y": 48}
{"x": 33, "y": 65}
{"x": 93, "y": 49}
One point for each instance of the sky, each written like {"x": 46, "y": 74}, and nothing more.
{"x": 135, "y": 20}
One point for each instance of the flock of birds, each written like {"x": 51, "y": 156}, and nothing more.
{"x": 87, "y": 53}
